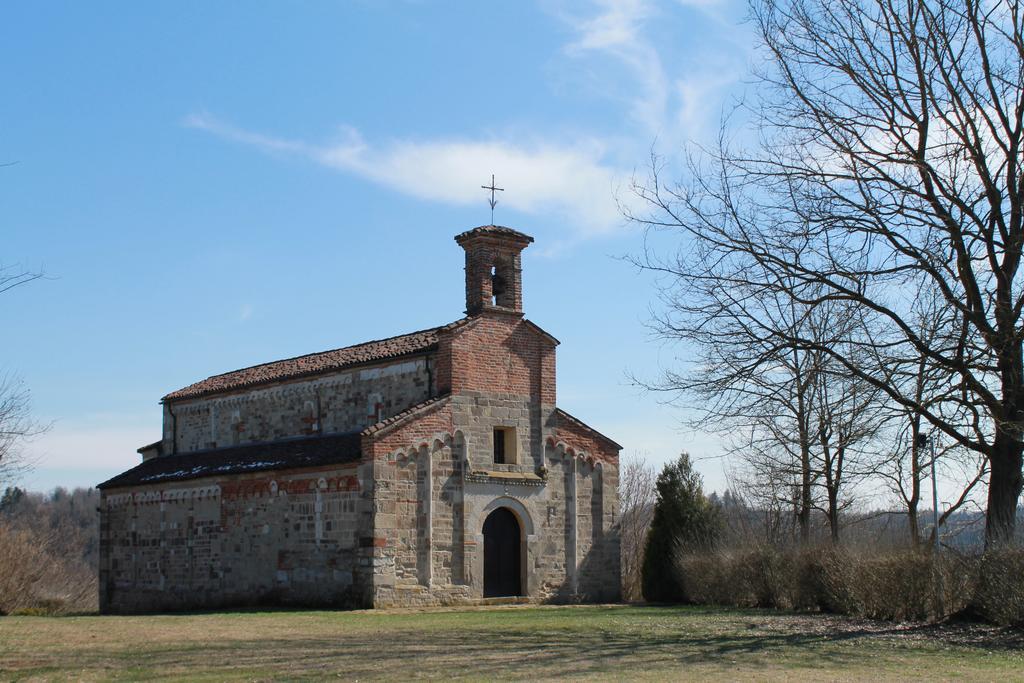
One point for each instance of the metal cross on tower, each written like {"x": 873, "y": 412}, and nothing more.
{"x": 492, "y": 201}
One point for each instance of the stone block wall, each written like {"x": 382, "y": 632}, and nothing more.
{"x": 477, "y": 414}
{"x": 430, "y": 529}
{"x": 593, "y": 500}
{"x": 331, "y": 404}
{"x": 267, "y": 538}
{"x": 417, "y": 544}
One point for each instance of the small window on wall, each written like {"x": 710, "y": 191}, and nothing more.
{"x": 504, "y": 445}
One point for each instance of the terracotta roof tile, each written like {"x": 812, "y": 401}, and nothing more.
{"x": 404, "y": 415}
{"x": 562, "y": 415}
{"x": 313, "y": 363}
{"x": 499, "y": 230}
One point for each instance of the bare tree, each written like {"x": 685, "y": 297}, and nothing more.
{"x": 12, "y": 276}
{"x": 795, "y": 418}
{"x": 847, "y": 415}
{"x": 742, "y": 382}
{"x": 16, "y": 423}
{"x": 760, "y": 507}
{"x": 16, "y": 427}
{"x": 905, "y": 460}
{"x": 889, "y": 144}
{"x": 636, "y": 500}
{"x": 809, "y": 439}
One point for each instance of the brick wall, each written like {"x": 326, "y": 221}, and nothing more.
{"x": 483, "y": 255}
{"x": 585, "y": 440}
{"x": 498, "y": 353}
{"x": 502, "y": 375}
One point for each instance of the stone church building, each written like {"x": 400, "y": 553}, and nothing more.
{"x": 430, "y": 468}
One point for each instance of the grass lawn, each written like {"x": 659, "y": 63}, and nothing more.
{"x": 612, "y": 642}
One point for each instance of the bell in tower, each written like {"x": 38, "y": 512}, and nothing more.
{"x": 497, "y": 285}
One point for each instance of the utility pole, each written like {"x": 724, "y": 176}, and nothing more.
{"x": 935, "y": 494}
{"x": 940, "y": 609}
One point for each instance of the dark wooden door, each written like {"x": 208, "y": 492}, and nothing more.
{"x": 502, "y": 567}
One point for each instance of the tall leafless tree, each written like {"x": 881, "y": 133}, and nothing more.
{"x": 888, "y": 152}
{"x": 796, "y": 420}
{"x": 847, "y": 417}
{"x": 905, "y": 459}
{"x": 16, "y": 427}
{"x": 636, "y": 504}
{"x": 16, "y": 423}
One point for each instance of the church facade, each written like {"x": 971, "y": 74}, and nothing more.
{"x": 431, "y": 468}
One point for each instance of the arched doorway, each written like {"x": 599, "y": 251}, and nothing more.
{"x": 502, "y": 547}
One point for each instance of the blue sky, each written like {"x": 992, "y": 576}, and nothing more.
{"x": 214, "y": 185}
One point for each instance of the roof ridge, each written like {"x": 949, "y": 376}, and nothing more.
{"x": 319, "y": 353}
{"x": 197, "y": 388}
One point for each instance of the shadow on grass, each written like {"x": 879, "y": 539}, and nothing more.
{"x": 410, "y": 654}
{"x": 504, "y": 643}
{"x": 512, "y": 642}
{"x": 835, "y": 627}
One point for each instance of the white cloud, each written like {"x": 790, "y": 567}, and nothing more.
{"x": 616, "y": 30}
{"x": 616, "y": 26}
{"x": 702, "y": 4}
{"x": 573, "y": 179}
{"x": 698, "y": 95}
{"x": 672, "y": 105}
{"x": 204, "y": 121}
{"x": 579, "y": 179}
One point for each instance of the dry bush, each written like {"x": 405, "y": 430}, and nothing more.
{"x": 761, "y": 576}
{"x": 910, "y": 586}
{"x": 37, "y": 578}
{"x": 893, "y": 585}
{"x": 999, "y": 594}
{"x": 744, "y": 578}
{"x": 822, "y": 581}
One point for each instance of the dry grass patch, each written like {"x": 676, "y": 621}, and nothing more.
{"x": 506, "y": 643}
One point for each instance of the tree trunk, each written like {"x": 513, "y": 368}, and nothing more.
{"x": 833, "y": 514}
{"x": 1005, "y": 479}
{"x": 804, "y": 516}
{"x": 915, "y": 485}
{"x": 915, "y": 531}
{"x": 1004, "y": 488}
{"x": 805, "y": 495}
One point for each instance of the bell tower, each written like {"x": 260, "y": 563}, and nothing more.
{"x": 494, "y": 271}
